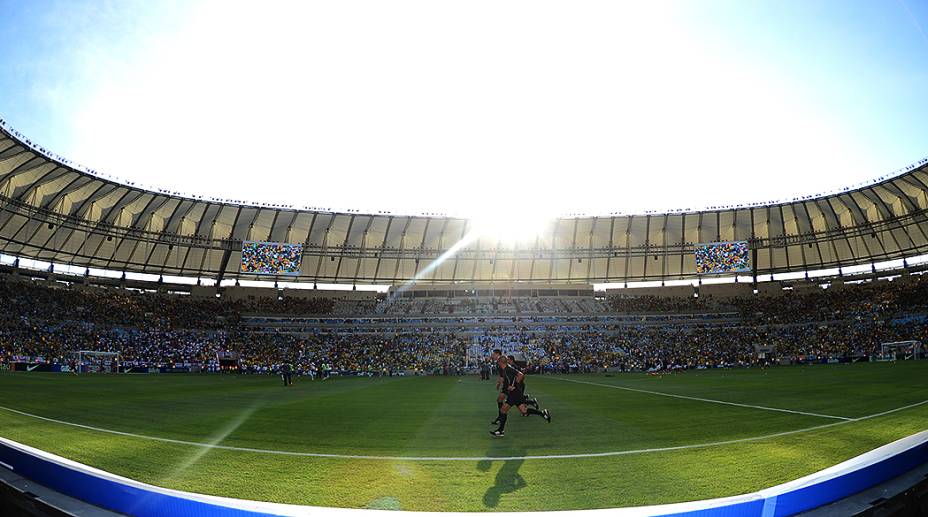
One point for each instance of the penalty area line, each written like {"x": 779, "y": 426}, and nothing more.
{"x": 700, "y": 399}
{"x": 465, "y": 458}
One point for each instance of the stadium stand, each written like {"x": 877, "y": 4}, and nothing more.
{"x": 44, "y": 322}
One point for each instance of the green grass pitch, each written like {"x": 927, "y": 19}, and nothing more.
{"x": 449, "y": 417}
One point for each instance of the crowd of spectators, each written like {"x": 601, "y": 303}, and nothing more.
{"x": 632, "y": 348}
{"x": 23, "y": 299}
{"x": 491, "y": 305}
{"x": 47, "y": 342}
{"x": 708, "y": 346}
{"x": 868, "y": 300}
{"x": 43, "y": 324}
{"x": 287, "y": 306}
{"x": 873, "y": 300}
{"x": 665, "y": 304}
{"x": 132, "y": 308}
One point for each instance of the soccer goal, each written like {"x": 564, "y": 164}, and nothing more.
{"x": 96, "y": 361}
{"x": 901, "y": 350}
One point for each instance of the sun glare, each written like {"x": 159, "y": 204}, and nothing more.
{"x": 512, "y": 225}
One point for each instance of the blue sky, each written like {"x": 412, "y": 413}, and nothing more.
{"x": 503, "y": 109}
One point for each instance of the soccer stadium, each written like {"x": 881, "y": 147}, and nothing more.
{"x": 700, "y": 335}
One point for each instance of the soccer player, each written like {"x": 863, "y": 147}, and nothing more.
{"x": 494, "y": 357}
{"x": 514, "y": 382}
{"x": 529, "y": 400}
{"x": 500, "y": 384}
{"x": 286, "y": 374}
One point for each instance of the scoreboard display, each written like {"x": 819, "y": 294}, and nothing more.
{"x": 722, "y": 257}
{"x": 271, "y": 258}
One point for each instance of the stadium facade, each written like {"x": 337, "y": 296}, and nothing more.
{"x": 53, "y": 211}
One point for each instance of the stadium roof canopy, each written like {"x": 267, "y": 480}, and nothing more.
{"x": 53, "y": 211}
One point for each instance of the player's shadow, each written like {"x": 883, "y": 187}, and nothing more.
{"x": 508, "y": 479}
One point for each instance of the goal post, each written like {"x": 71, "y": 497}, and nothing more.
{"x": 99, "y": 361}
{"x": 904, "y": 350}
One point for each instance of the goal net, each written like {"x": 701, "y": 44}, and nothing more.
{"x": 95, "y": 361}
{"x": 903, "y": 350}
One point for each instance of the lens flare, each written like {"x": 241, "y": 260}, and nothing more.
{"x": 511, "y": 225}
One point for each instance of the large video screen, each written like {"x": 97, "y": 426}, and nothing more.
{"x": 271, "y": 258}
{"x": 722, "y": 257}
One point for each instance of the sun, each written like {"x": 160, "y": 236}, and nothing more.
{"x": 511, "y": 225}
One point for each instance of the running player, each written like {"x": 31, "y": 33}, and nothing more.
{"x": 529, "y": 400}
{"x": 500, "y": 385}
{"x": 514, "y": 382}
{"x": 494, "y": 357}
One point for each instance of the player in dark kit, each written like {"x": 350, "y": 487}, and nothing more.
{"x": 286, "y": 374}
{"x": 494, "y": 357}
{"x": 514, "y": 382}
{"x": 529, "y": 400}
{"x": 500, "y": 385}
{"x": 497, "y": 353}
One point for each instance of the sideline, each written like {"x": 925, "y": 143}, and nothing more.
{"x": 699, "y": 399}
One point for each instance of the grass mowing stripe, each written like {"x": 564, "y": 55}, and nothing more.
{"x": 699, "y": 399}
{"x": 470, "y": 458}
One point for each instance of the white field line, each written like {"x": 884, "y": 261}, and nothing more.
{"x": 466, "y": 458}
{"x": 699, "y": 399}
